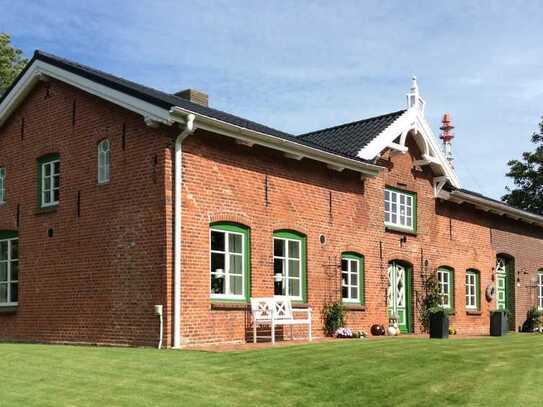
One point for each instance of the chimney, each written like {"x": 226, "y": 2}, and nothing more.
{"x": 447, "y": 136}
{"x": 195, "y": 96}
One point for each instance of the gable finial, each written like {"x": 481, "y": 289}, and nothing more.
{"x": 413, "y": 97}
{"x": 447, "y": 136}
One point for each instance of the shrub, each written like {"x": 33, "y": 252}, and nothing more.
{"x": 334, "y": 317}
{"x": 533, "y": 320}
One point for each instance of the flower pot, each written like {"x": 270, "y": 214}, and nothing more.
{"x": 439, "y": 325}
{"x": 498, "y": 323}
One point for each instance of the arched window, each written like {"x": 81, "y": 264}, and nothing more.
{"x": 289, "y": 265}
{"x": 540, "y": 289}
{"x": 445, "y": 282}
{"x": 352, "y": 278}
{"x": 473, "y": 290}
{"x": 229, "y": 263}
{"x": 104, "y": 161}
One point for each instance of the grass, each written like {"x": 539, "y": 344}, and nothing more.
{"x": 400, "y": 371}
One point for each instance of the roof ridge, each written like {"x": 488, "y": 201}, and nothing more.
{"x": 338, "y": 126}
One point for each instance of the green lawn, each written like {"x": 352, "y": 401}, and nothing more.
{"x": 400, "y": 371}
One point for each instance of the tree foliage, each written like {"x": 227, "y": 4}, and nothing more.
{"x": 527, "y": 175}
{"x": 12, "y": 62}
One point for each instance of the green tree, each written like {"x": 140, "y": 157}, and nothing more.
{"x": 527, "y": 175}
{"x": 12, "y": 62}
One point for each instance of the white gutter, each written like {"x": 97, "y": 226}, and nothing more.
{"x": 178, "y": 182}
{"x": 496, "y": 207}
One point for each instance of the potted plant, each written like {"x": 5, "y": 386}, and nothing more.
{"x": 439, "y": 323}
{"x": 498, "y": 323}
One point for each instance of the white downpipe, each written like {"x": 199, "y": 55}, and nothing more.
{"x": 178, "y": 181}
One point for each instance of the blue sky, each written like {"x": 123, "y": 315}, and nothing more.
{"x": 299, "y": 66}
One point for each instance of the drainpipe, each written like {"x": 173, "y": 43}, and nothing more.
{"x": 178, "y": 182}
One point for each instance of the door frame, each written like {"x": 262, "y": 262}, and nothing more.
{"x": 408, "y": 294}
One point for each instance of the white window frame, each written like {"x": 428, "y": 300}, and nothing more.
{"x": 9, "y": 282}
{"x": 399, "y": 210}
{"x": 540, "y": 290}
{"x": 445, "y": 286}
{"x": 471, "y": 290}
{"x": 226, "y": 274}
{"x": 349, "y": 272}
{"x": 50, "y": 192}
{"x": 286, "y": 267}
{"x": 104, "y": 162}
{"x": 2, "y": 185}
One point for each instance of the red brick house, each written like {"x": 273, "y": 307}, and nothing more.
{"x": 115, "y": 198}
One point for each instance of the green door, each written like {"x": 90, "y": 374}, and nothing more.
{"x": 399, "y": 295}
{"x": 504, "y": 279}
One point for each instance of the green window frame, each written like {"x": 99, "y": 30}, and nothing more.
{"x": 352, "y": 278}
{"x": 2, "y": 185}
{"x": 473, "y": 290}
{"x": 445, "y": 283}
{"x": 9, "y": 269}
{"x": 290, "y": 265}
{"x": 229, "y": 248}
{"x": 49, "y": 180}
{"x": 400, "y": 208}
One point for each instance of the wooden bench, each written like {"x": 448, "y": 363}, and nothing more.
{"x": 275, "y": 311}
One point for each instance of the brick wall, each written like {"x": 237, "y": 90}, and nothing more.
{"x": 97, "y": 279}
{"x": 226, "y": 181}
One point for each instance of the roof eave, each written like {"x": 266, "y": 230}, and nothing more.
{"x": 248, "y": 136}
{"x": 495, "y": 207}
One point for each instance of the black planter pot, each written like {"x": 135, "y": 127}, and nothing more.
{"x": 439, "y": 325}
{"x": 498, "y": 323}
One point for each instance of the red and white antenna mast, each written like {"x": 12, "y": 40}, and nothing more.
{"x": 447, "y": 136}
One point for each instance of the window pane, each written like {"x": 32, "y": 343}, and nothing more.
{"x": 14, "y": 271}
{"x": 47, "y": 184}
{"x": 294, "y": 287}
{"x": 3, "y": 271}
{"x": 56, "y": 181}
{"x": 3, "y": 250}
{"x": 387, "y": 217}
{"x": 47, "y": 170}
{"x": 217, "y": 240}
{"x": 3, "y": 293}
{"x": 354, "y": 293}
{"x": 294, "y": 268}
{"x": 14, "y": 249}
{"x": 279, "y": 247}
{"x": 354, "y": 278}
{"x": 345, "y": 292}
{"x": 236, "y": 264}
{"x": 234, "y": 243}
{"x": 236, "y": 285}
{"x": 217, "y": 284}
{"x": 13, "y": 293}
{"x": 294, "y": 249}
{"x": 344, "y": 279}
{"x": 393, "y": 218}
{"x": 344, "y": 265}
{"x": 387, "y": 195}
{"x": 56, "y": 195}
{"x": 217, "y": 262}
{"x": 278, "y": 266}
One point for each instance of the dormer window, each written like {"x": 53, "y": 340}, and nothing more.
{"x": 400, "y": 210}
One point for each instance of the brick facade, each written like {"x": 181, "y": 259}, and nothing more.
{"x": 110, "y": 258}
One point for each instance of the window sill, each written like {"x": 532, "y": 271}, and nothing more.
{"x": 473, "y": 312}
{"x": 8, "y": 309}
{"x": 354, "y": 307}
{"x": 229, "y": 306}
{"x": 300, "y": 305}
{"x": 46, "y": 209}
{"x": 398, "y": 229}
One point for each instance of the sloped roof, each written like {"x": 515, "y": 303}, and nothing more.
{"x": 349, "y": 138}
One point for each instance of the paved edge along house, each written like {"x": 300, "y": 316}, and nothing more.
{"x": 116, "y": 197}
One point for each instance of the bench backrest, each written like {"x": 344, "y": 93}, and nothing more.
{"x": 261, "y": 308}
